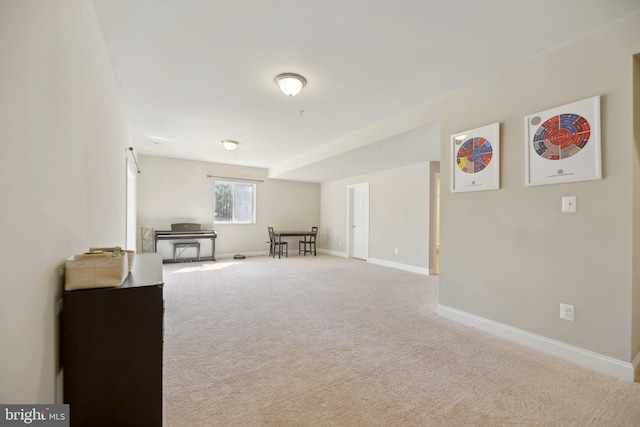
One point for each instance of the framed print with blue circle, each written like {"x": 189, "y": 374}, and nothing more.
{"x": 563, "y": 144}
{"x": 476, "y": 159}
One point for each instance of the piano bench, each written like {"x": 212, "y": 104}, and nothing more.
{"x": 185, "y": 245}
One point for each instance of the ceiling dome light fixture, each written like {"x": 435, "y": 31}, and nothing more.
{"x": 290, "y": 84}
{"x": 230, "y": 145}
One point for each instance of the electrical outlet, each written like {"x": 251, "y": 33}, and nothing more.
{"x": 396, "y": 251}
{"x": 567, "y": 312}
{"x": 339, "y": 242}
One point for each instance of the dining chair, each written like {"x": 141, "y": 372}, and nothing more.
{"x": 275, "y": 244}
{"x": 308, "y": 246}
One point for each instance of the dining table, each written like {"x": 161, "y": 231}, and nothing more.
{"x": 280, "y": 234}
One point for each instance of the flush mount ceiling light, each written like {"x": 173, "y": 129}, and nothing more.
{"x": 230, "y": 145}
{"x": 290, "y": 84}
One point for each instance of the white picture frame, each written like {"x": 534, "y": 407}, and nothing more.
{"x": 563, "y": 145}
{"x": 475, "y": 156}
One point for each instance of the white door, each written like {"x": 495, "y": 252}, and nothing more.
{"x": 131, "y": 208}
{"x": 359, "y": 220}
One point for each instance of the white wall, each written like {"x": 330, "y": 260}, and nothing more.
{"x": 511, "y": 256}
{"x": 176, "y": 190}
{"x": 400, "y": 216}
{"x": 62, "y": 152}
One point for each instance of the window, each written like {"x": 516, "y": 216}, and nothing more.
{"x": 234, "y": 203}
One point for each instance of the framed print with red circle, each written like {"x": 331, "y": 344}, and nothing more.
{"x": 563, "y": 144}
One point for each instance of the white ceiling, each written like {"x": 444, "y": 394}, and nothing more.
{"x": 196, "y": 72}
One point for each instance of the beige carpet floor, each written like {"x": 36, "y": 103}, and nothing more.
{"x": 328, "y": 341}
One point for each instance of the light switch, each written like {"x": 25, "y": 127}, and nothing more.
{"x": 569, "y": 204}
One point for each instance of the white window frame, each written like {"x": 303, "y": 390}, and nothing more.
{"x": 233, "y": 184}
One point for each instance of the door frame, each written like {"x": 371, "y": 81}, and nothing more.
{"x": 435, "y": 248}
{"x": 350, "y": 190}
{"x": 131, "y": 208}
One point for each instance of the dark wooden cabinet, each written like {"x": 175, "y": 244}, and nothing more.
{"x": 112, "y": 343}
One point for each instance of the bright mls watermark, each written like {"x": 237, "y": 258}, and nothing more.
{"x": 36, "y": 415}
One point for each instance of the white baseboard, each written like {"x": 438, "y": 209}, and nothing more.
{"x": 598, "y": 362}
{"x": 334, "y": 253}
{"x": 397, "y": 265}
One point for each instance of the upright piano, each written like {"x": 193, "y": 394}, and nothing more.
{"x": 187, "y": 235}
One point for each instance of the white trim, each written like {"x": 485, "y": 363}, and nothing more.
{"x": 334, "y": 253}
{"x": 599, "y": 362}
{"x": 397, "y": 265}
